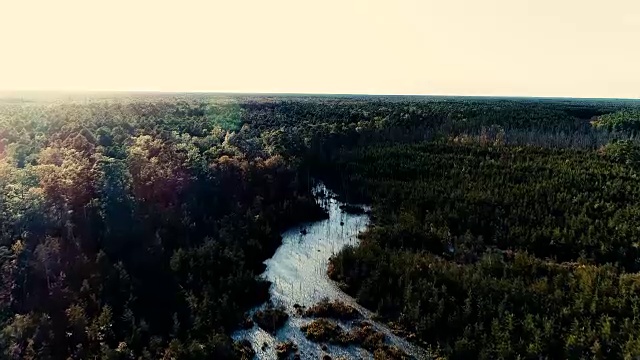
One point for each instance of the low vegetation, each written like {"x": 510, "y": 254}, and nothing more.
{"x": 334, "y": 309}
{"x": 285, "y": 349}
{"x": 362, "y": 334}
{"x": 271, "y": 318}
{"x": 244, "y": 350}
{"x": 323, "y": 330}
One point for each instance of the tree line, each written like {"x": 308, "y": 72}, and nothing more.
{"x": 135, "y": 227}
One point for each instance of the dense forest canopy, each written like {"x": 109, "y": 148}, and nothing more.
{"x": 135, "y": 227}
{"x": 624, "y": 120}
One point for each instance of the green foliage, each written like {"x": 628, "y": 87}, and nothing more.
{"x": 627, "y": 151}
{"x": 135, "y": 227}
{"x": 627, "y": 120}
{"x": 271, "y": 319}
{"x": 497, "y": 251}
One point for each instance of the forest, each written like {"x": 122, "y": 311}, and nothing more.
{"x": 135, "y": 227}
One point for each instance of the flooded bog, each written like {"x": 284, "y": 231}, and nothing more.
{"x": 298, "y": 273}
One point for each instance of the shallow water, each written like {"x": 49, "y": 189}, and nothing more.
{"x": 298, "y": 275}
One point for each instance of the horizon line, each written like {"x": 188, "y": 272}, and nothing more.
{"x": 3, "y": 93}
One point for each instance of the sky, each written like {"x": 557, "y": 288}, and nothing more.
{"x": 574, "y": 48}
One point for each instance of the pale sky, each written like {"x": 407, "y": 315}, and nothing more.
{"x": 581, "y": 48}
